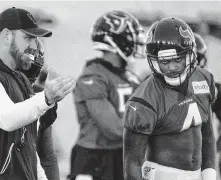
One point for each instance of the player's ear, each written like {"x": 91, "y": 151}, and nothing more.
{"x": 6, "y": 36}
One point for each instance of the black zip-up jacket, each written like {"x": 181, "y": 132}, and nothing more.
{"x": 17, "y": 160}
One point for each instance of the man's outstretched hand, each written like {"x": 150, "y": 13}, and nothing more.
{"x": 57, "y": 87}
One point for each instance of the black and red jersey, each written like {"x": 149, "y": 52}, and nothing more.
{"x": 101, "y": 80}
{"x": 156, "y": 108}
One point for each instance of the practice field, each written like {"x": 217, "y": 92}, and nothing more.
{"x": 70, "y": 46}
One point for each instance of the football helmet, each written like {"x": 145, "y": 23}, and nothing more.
{"x": 119, "y": 32}
{"x": 201, "y": 50}
{"x": 37, "y": 58}
{"x": 168, "y": 39}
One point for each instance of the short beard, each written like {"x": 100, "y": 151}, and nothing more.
{"x": 16, "y": 55}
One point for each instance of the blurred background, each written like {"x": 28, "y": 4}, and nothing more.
{"x": 70, "y": 45}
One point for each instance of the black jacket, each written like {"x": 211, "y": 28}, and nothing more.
{"x": 17, "y": 160}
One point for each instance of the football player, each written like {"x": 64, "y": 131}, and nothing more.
{"x": 44, "y": 142}
{"x": 100, "y": 94}
{"x": 216, "y": 106}
{"x": 168, "y": 131}
{"x": 202, "y": 62}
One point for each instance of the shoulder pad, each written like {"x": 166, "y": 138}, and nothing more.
{"x": 90, "y": 87}
{"x": 140, "y": 116}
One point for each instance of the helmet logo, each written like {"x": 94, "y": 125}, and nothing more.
{"x": 116, "y": 23}
{"x": 186, "y": 33}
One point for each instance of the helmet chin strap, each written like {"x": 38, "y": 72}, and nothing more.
{"x": 172, "y": 81}
{"x": 113, "y": 48}
{"x": 103, "y": 46}
{"x": 117, "y": 49}
{"x": 178, "y": 80}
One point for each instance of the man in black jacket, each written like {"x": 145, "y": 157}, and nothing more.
{"x": 19, "y": 106}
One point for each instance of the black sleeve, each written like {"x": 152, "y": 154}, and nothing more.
{"x": 106, "y": 118}
{"x": 49, "y": 117}
{"x": 135, "y": 117}
{"x": 134, "y": 149}
{"x": 91, "y": 87}
{"x": 46, "y": 153}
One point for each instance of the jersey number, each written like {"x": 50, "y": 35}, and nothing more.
{"x": 193, "y": 117}
{"x": 124, "y": 94}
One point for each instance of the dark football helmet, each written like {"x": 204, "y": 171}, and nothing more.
{"x": 119, "y": 32}
{"x": 171, "y": 38}
{"x": 201, "y": 50}
{"x": 37, "y": 58}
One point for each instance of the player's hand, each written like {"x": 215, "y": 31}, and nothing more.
{"x": 57, "y": 87}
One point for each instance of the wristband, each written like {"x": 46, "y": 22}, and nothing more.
{"x": 208, "y": 174}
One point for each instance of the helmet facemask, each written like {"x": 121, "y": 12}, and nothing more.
{"x": 139, "y": 46}
{"x": 201, "y": 49}
{"x": 190, "y": 64}
{"x": 37, "y": 59}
